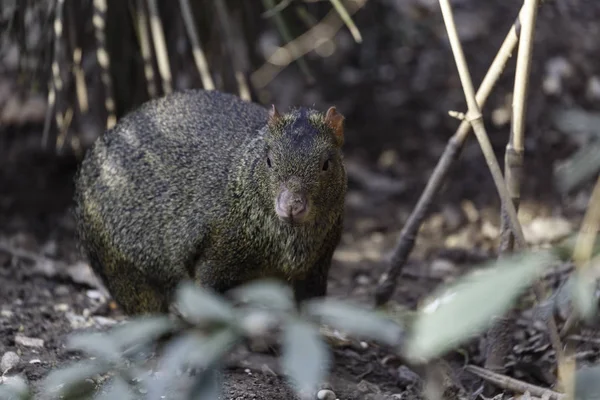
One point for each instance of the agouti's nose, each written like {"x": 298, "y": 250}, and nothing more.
{"x": 291, "y": 206}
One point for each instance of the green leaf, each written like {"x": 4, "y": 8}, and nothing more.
{"x": 207, "y": 386}
{"x": 73, "y": 382}
{"x": 201, "y": 305}
{"x": 587, "y": 383}
{"x": 15, "y": 388}
{"x": 141, "y": 330}
{"x": 97, "y": 345}
{"x": 467, "y": 306}
{"x": 115, "y": 388}
{"x": 268, "y": 293}
{"x": 305, "y": 356}
{"x": 355, "y": 320}
{"x": 583, "y": 291}
{"x": 190, "y": 350}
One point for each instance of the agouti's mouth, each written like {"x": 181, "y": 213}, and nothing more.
{"x": 292, "y": 207}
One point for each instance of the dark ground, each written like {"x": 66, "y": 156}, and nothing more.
{"x": 46, "y": 290}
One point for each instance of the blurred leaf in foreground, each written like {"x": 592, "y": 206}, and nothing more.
{"x": 14, "y": 388}
{"x": 269, "y": 293}
{"x": 466, "y": 307}
{"x": 355, "y": 320}
{"x": 587, "y": 383}
{"x": 115, "y": 388}
{"x": 141, "y": 330}
{"x": 96, "y": 344}
{"x": 305, "y": 355}
{"x": 583, "y": 290}
{"x": 201, "y": 305}
{"x": 207, "y": 386}
{"x": 73, "y": 382}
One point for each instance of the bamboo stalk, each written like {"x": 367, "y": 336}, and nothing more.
{"x": 55, "y": 85}
{"x": 141, "y": 21}
{"x": 500, "y": 335}
{"x": 103, "y": 57}
{"x": 476, "y": 120}
{"x": 387, "y": 281}
{"x": 199, "y": 57}
{"x": 160, "y": 47}
{"x": 224, "y": 17}
{"x": 287, "y": 38}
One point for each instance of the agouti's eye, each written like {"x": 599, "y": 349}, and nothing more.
{"x": 269, "y": 161}
{"x": 326, "y": 165}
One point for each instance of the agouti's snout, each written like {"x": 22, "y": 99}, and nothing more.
{"x": 291, "y": 205}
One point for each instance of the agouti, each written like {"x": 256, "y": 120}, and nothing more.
{"x": 201, "y": 185}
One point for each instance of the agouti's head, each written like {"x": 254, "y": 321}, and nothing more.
{"x": 304, "y": 165}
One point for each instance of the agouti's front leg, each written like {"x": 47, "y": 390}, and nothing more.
{"x": 314, "y": 283}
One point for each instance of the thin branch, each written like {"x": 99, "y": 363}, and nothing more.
{"x": 226, "y": 25}
{"x": 341, "y": 10}
{"x": 475, "y": 118}
{"x": 199, "y": 57}
{"x": 500, "y": 334}
{"x": 287, "y": 37}
{"x": 324, "y": 31}
{"x": 56, "y": 84}
{"x": 103, "y": 57}
{"x": 141, "y": 21}
{"x": 160, "y": 47}
{"x": 514, "y": 385}
{"x": 513, "y": 165}
{"x": 387, "y": 282}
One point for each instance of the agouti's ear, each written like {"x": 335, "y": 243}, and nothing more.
{"x": 335, "y": 120}
{"x": 274, "y": 116}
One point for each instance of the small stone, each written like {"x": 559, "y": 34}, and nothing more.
{"x": 35, "y": 361}
{"x": 441, "y": 268}
{"x": 326, "y": 395}
{"x": 547, "y": 230}
{"x": 62, "y": 307}
{"x": 95, "y": 295}
{"x": 103, "y": 321}
{"x": 6, "y": 313}
{"x": 61, "y": 290}
{"x": 28, "y": 341}
{"x": 10, "y": 359}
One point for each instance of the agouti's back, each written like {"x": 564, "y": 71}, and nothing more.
{"x": 162, "y": 194}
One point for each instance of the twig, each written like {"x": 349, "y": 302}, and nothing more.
{"x": 474, "y": 116}
{"x": 387, "y": 282}
{"x": 584, "y": 248}
{"x": 103, "y": 57}
{"x": 287, "y": 37}
{"x": 80, "y": 86}
{"x": 513, "y": 167}
{"x": 325, "y": 30}
{"x": 512, "y": 384}
{"x": 499, "y": 334}
{"x": 199, "y": 57}
{"x": 160, "y": 47}
{"x": 56, "y": 84}
{"x": 226, "y": 25}
{"x": 145, "y": 47}
{"x": 339, "y": 7}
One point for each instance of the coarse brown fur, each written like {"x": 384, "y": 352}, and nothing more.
{"x": 185, "y": 187}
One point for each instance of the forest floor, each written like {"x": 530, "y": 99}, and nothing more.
{"x": 47, "y": 290}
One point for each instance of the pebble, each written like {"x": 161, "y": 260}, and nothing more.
{"x": 61, "y": 290}
{"x": 61, "y": 307}
{"x": 6, "y": 313}
{"x": 10, "y": 359}
{"x": 326, "y": 395}
{"x": 28, "y": 341}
